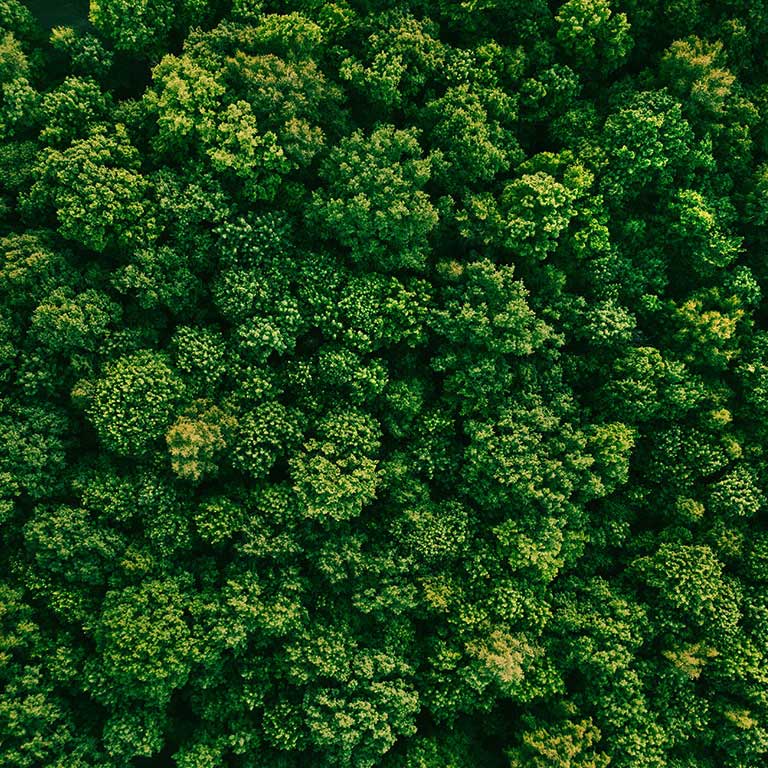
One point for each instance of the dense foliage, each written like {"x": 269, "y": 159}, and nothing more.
{"x": 383, "y": 384}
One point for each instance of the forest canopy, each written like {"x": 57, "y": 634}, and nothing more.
{"x": 383, "y": 384}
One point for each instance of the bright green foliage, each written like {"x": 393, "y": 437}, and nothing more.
{"x": 376, "y": 311}
{"x": 263, "y": 435}
{"x": 99, "y": 198}
{"x": 433, "y": 532}
{"x": 72, "y": 110}
{"x": 612, "y": 446}
{"x": 144, "y": 642}
{"x": 64, "y": 321}
{"x": 87, "y": 54}
{"x": 691, "y": 582}
{"x": 66, "y": 542}
{"x": 36, "y": 725}
{"x": 644, "y": 386}
{"x": 708, "y": 329}
{"x": 536, "y": 208}
{"x": 257, "y": 159}
{"x": 259, "y": 298}
{"x": 487, "y": 309}
{"x": 648, "y": 141}
{"x": 699, "y": 226}
{"x": 159, "y": 277}
{"x": 142, "y": 28}
{"x": 17, "y": 18}
{"x": 375, "y": 204}
{"x": 360, "y": 700}
{"x": 737, "y": 493}
{"x": 135, "y": 28}
{"x": 470, "y": 129}
{"x": 31, "y": 269}
{"x": 402, "y": 54}
{"x": 695, "y": 70}
{"x": 186, "y": 99}
{"x": 592, "y": 35}
{"x": 119, "y": 400}
{"x": 19, "y": 101}
{"x": 194, "y": 441}
{"x": 254, "y": 116}
{"x": 567, "y": 745}
{"x": 336, "y": 473}
{"x": 287, "y": 97}
{"x": 200, "y": 354}
{"x": 32, "y": 457}
{"x": 384, "y": 384}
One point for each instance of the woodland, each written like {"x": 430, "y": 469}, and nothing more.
{"x": 384, "y": 384}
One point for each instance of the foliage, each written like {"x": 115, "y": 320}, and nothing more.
{"x": 384, "y": 384}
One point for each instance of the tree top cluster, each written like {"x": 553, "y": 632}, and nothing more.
{"x": 384, "y": 384}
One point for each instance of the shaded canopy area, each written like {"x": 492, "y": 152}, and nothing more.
{"x": 58, "y": 13}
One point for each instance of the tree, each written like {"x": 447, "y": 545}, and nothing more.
{"x": 143, "y": 30}
{"x": 200, "y": 354}
{"x": 288, "y": 97}
{"x": 402, "y": 54}
{"x": 195, "y": 440}
{"x": 693, "y": 586}
{"x": 94, "y": 188}
{"x": 117, "y": 402}
{"x": 701, "y": 228}
{"x": 255, "y": 158}
{"x": 65, "y": 321}
{"x": 592, "y": 35}
{"x": 160, "y": 277}
{"x": 73, "y": 110}
{"x": 374, "y": 203}
{"x": 648, "y": 142}
{"x": 19, "y": 101}
{"x": 470, "y": 128}
{"x": 32, "y": 269}
{"x": 694, "y": 69}
{"x": 185, "y": 100}
{"x": 568, "y": 744}
{"x": 68, "y": 543}
{"x": 263, "y": 435}
{"x": 144, "y": 643}
{"x": 33, "y": 454}
{"x": 36, "y": 719}
{"x": 87, "y": 54}
{"x": 536, "y": 208}
{"x": 336, "y": 474}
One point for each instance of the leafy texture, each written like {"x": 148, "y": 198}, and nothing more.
{"x": 384, "y": 384}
